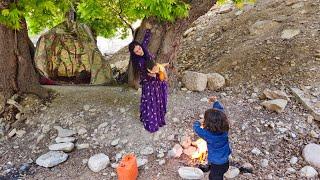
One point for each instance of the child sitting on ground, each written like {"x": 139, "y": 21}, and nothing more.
{"x": 156, "y": 68}
{"x": 215, "y": 133}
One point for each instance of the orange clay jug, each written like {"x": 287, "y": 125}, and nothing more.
{"x": 128, "y": 168}
{"x": 161, "y": 76}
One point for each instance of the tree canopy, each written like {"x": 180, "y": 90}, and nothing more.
{"x": 105, "y": 17}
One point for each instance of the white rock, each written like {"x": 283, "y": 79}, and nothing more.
{"x": 185, "y": 141}
{"x": 187, "y": 32}
{"x": 204, "y": 99}
{"x": 264, "y": 163}
{"x": 12, "y": 133}
{"x": 311, "y": 154}
{"x": 86, "y": 107}
{"x": 215, "y": 81}
{"x": 98, "y": 162}
{"x": 162, "y": 162}
{"x": 190, "y": 173}
{"x": 308, "y": 172}
{"x": 82, "y": 146}
{"x": 160, "y": 155}
{"x": 147, "y": 151}
{"x": 21, "y": 133}
{"x": 263, "y": 27}
{"x": 65, "y": 139}
{"x": 141, "y": 161}
{"x": 52, "y": 158}
{"x": 232, "y": 172}
{"x": 314, "y": 134}
{"x": 114, "y": 165}
{"x": 103, "y": 125}
{"x": 115, "y": 142}
{"x": 82, "y": 131}
{"x": 64, "y": 132}
{"x": 175, "y": 120}
{"x": 289, "y": 33}
{"x": 276, "y": 94}
{"x": 256, "y": 151}
{"x": 195, "y": 81}
{"x": 170, "y": 137}
{"x": 65, "y": 147}
{"x": 176, "y": 151}
{"x": 277, "y": 105}
{"x": 293, "y": 160}
{"x": 290, "y": 170}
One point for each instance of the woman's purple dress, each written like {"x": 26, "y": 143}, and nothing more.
{"x": 153, "y": 105}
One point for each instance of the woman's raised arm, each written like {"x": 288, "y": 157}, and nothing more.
{"x": 146, "y": 38}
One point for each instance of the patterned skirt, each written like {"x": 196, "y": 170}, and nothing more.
{"x": 153, "y": 105}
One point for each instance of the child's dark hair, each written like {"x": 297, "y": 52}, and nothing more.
{"x": 216, "y": 121}
{"x": 150, "y": 64}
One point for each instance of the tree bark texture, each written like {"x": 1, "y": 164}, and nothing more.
{"x": 166, "y": 38}
{"x": 17, "y": 71}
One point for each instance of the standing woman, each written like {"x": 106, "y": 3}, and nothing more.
{"x": 153, "y": 105}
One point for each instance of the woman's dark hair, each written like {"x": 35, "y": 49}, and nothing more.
{"x": 216, "y": 121}
{"x": 133, "y": 57}
{"x": 150, "y": 64}
{"x": 134, "y": 63}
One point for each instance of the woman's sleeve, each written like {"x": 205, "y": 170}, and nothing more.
{"x": 146, "y": 38}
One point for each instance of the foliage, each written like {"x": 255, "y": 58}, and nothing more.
{"x": 105, "y": 17}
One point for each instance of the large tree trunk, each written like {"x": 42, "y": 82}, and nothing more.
{"x": 17, "y": 71}
{"x": 166, "y": 38}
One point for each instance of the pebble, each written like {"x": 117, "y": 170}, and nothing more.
{"x": 190, "y": 173}
{"x": 98, "y": 162}
{"x": 232, "y": 172}
{"x": 293, "y": 160}
{"x": 51, "y": 159}
{"x": 308, "y": 172}
{"x": 65, "y": 147}
{"x": 264, "y": 163}
{"x": 256, "y": 151}
{"x": 147, "y": 151}
{"x": 115, "y": 142}
{"x": 82, "y": 146}
{"x": 141, "y": 161}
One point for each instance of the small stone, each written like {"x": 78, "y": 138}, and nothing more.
{"x": 114, "y": 165}
{"x": 162, "y": 162}
{"x": 65, "y": 139}
{"x": 115, "y": 142}
{"x": 98, "y": 162}
{"x": 82, "y": 131}
{"x": 290, "y": 170}
{"x": 82, "y": 146}
{"x": 175, "y": 120}
{"x": 103, "y": 125}
{"x": 256, "y": 151}
{"x": 277, "y": 105}
{"x": 52, "y": 158}
{"x": 64, "y": 132}
{"x": 308, "y": 172}
{"x": 310, "y": 119}
{"x": 141, "y": 161}
{"x": 264, "y": 163}
{"x": 21, "y": 133}
{"x": 289, "y": 33}
{"x": 204, "y": 99}
{"x": 215, "y": 81}
{"x": 147, "y": 151}
{"x": 65, "y": 147}
{"x": 12, "y": 133}
{"x": 232, "y": 172}
{"x": 311, "y": 154}
{"x": 113, "y": 174}
{"x": 314, "y": 134}
{"x": 85, "y": 161}
{"x": 176, "y": 151}
{"x": 171, "y": 137}
{"x": 293, "y": 160}
{"x": 160, "y": 155}
{"x": 190, "y": 173}
{"x": 122, "y": 110}
{"x": 86, "y": 107}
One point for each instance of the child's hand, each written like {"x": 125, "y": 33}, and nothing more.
{"x": 213, "y": 99}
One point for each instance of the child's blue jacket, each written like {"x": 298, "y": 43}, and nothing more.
{"x": 217, "y": 143}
